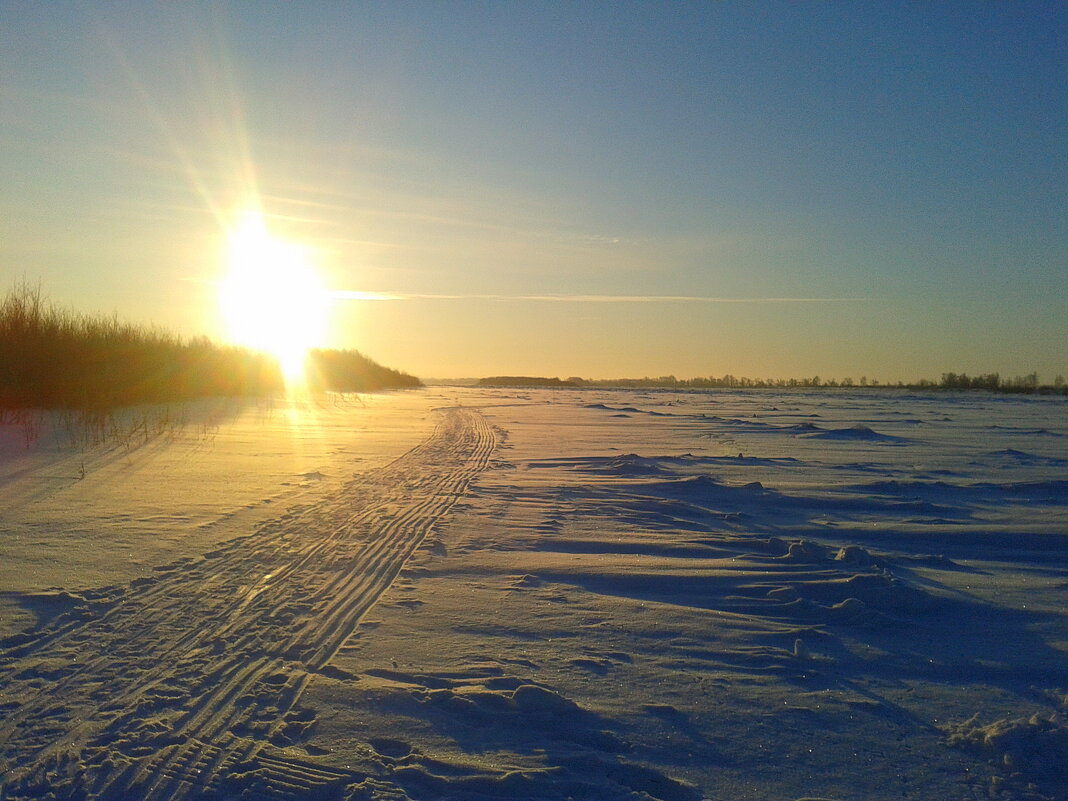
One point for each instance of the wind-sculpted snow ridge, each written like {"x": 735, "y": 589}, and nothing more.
{"x": 189, "y": 684}
{"x": 706, "y": 604}
{"x": 627, "y": 410}
{"x": 855, "y": 433}
{"x": 864, "y": 600}
{"x": 631, "y": 464}
{"x": 1034, "y": 749}
{"x": 1022, "y": 457}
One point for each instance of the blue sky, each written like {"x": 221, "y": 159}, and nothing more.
{"x": 881, "y": 186}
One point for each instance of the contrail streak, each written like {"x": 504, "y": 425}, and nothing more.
{"x": 359, "y": 295}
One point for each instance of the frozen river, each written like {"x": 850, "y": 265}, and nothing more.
{"x": 543, "y": 594}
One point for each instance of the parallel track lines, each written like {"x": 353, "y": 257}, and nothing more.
{"x": 191, "y": 675}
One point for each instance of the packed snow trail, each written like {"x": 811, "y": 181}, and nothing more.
{"x": 177, "y": 684}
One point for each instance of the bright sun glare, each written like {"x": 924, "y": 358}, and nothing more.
{"x": 272, "y": 298}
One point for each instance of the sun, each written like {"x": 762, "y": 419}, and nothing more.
{"x": 271, "y": 297}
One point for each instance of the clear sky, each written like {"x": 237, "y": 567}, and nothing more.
{"x": 595, "y": 189}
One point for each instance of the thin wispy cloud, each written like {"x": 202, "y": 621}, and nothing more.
{"x": 380, "y": 296}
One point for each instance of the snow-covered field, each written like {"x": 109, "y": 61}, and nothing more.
{"x": 543, "y": 594}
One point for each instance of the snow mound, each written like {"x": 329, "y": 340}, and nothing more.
{"x": 857, "y": 556}
{"x": 1024, "y": 458}
{"x": 804, "y": 428}
{"x": 849, "y": 597}
{"x": 741, "y": 459}
{"x": 1035, "y": 432}
{"x": 625, "y": 410}
{"x": 633, "y": 464}
{"x": 629, "y": 464}
{"x": 857, "y": 433}
{"x": 1031, "y": 750}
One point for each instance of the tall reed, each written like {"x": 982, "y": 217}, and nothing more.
{"x": 351, "y": 371}
{"x": 54, "y": 358}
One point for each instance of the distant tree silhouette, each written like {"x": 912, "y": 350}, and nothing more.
{"x": 524, "y": 381}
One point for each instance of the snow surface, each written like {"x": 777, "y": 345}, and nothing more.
{"x": 542, "y": 594}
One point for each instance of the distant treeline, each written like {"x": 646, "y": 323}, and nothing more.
{"x": 526, "y": 381}
{"x": 53, "y": 358}
{"x": 949, "y": 381}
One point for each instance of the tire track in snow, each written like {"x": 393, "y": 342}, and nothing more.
{"x": 188, "y": 677}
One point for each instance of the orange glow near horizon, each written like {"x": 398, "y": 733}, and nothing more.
{"x": 271, "y": 297}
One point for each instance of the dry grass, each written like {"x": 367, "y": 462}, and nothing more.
{"x": 351, "y": 371}
{"x": 116, "y": 382}
{"x": 53, "y": 358}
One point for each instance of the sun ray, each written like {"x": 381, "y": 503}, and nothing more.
{"x": 271, "y": 297}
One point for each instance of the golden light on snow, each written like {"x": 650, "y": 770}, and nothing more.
{"x": 271, "y": 296}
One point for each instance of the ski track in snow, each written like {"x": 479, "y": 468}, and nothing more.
{"x": 164, "y": 689}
